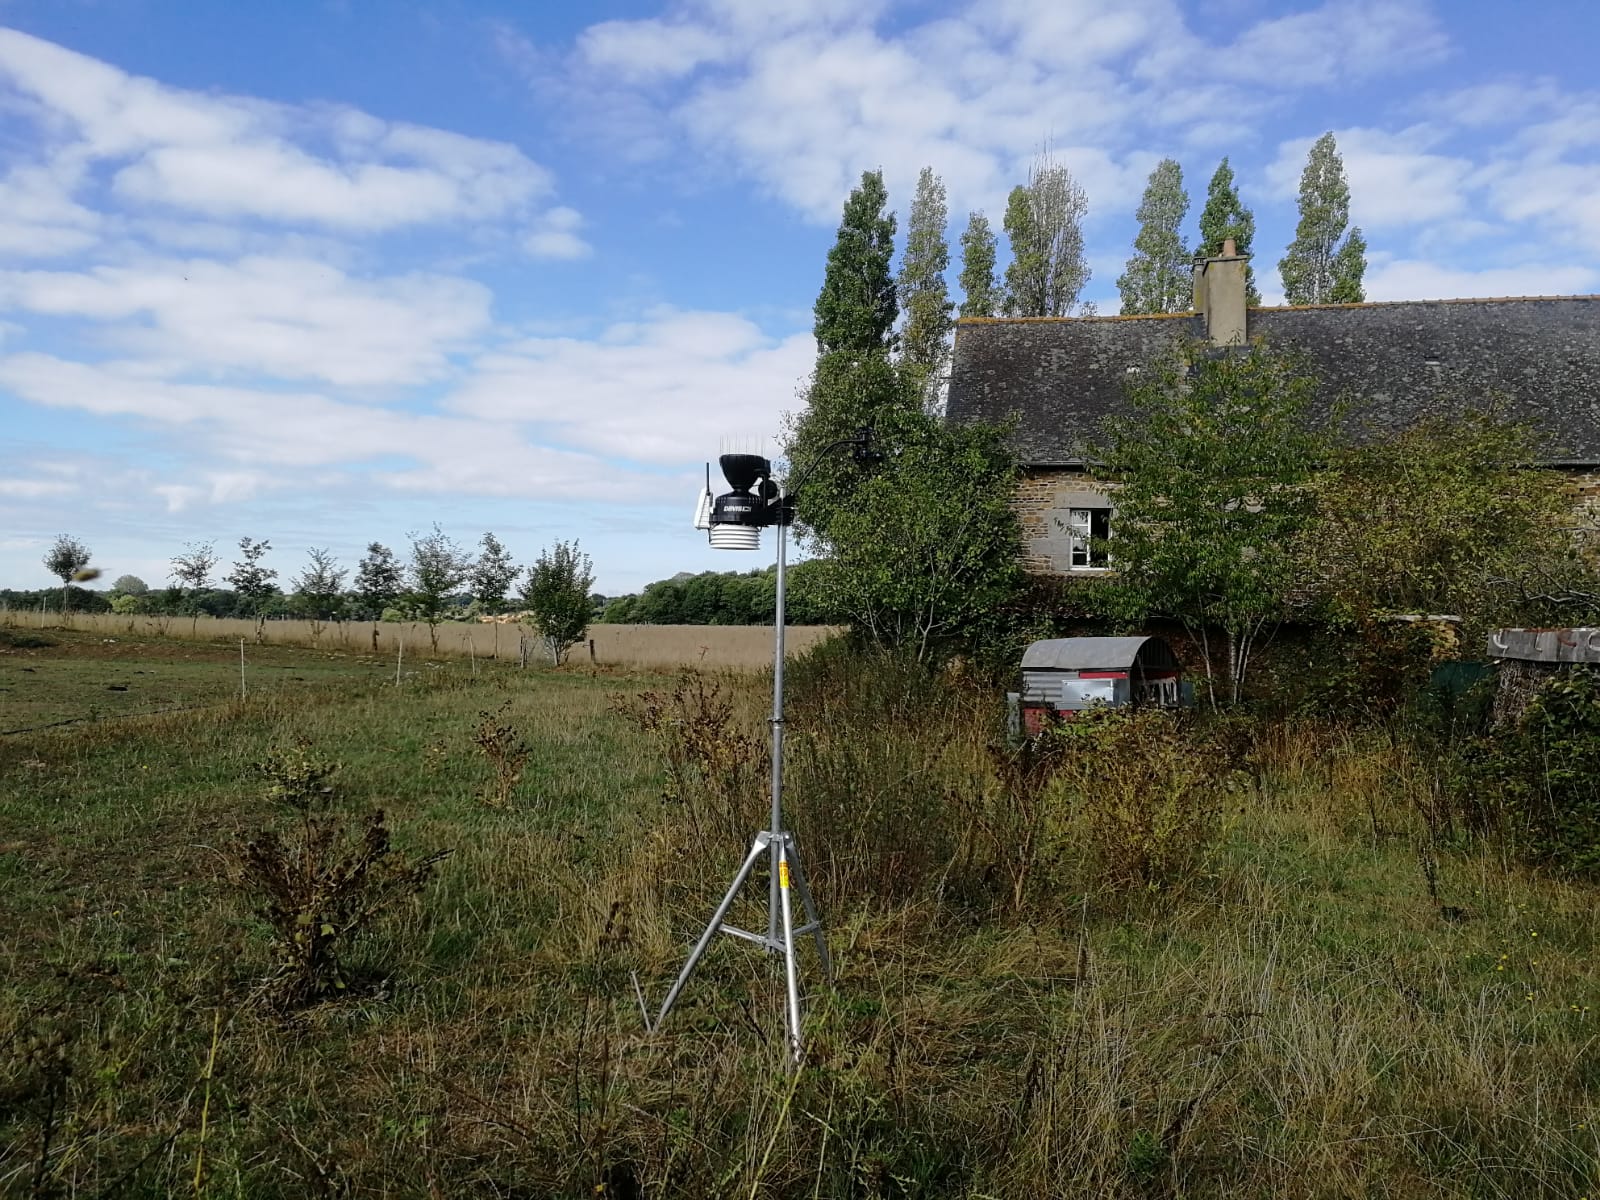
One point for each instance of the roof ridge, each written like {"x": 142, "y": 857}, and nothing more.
{"x": 1272, "y": 308}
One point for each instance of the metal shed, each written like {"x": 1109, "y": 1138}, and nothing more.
{"x": 1061, "y": 676}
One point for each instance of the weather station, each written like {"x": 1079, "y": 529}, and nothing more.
{"x": 734, "y": 521}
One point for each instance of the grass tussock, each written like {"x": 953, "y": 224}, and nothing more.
{"x": 1140, "y": 960}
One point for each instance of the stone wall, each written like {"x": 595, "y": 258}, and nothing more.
{"x": 1042, "y": 502}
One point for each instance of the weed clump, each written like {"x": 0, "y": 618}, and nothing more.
{"x": 1146, "y": 791}
{"x": 715, "y": 767}
{"x": 316, "y": 885}
{"x": 507, "y": 754}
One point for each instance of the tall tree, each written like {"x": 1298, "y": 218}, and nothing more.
{"x": 557, "y": 593}
{"x": 856, "y": 381}
{"x": 65, "y": 559}
{"x": 1213, "y": 462}
{"x": 1224, "y": 217}
{"x": 1317, "y": 269}
{"x": 1159, "y": 277}
{"x": 493, "y": 575}
{"x": 980, "y": 296}
{"x": 379, "y": 581}
{"x": 855, "y": 311}
{"x": 252, "y": 581}
{"x": 192, "y": 570}
{"x": 317, "y": 589}
{"x": 439, "y": 566}
{"x": 1044, "y": 223}
{"x": 924, "y": 295}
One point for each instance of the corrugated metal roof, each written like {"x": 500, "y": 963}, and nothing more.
{"x": 1087, "y": 653}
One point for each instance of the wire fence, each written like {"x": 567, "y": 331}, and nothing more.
{"x": 711, "y": 647}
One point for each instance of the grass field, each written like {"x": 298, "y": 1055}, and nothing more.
{"x": 704, "y": 647}
{"x": 1302, "y": 1014}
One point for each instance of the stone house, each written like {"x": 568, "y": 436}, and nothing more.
{"x": 1536, "y": 357}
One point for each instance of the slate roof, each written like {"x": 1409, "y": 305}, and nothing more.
{"x": 1538, "y": 356}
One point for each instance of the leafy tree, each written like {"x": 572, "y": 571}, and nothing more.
{"x": 1224, "y": 217}
{"x": 130, "y": 585}
{"x": 1317, "y": 269}
{"x": 380, "y": 579}
{"x": 1159, "y": 277}
{"x": 439, "y": 566}
{"x": 1443, "y": 517}
{"x": 191, "y": 570}
{"x": 1214, "y": 465}
{"x": 924, "y": 295}
{"x": 493, "y": 575}
{"x": 846, "y": 395}
{"x": 855, "y": 311}
{"x": 252, "y": 581}
{"x": 926, "y": 555}
{"x": 1044, "y": 223}
{"x": 557, "y": 593}
{"x": 318, "y": 589}
{"x": 65, "y": 559}
{"x": 980, "y": 296}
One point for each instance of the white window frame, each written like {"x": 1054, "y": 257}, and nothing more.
{"x": 1079, "y": 524}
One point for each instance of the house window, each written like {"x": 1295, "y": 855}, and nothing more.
{"x": 1088, "y": 528}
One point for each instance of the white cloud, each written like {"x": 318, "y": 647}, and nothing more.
{"x": 662, "y": 390}
{"x": 1338, "y": 42}
{"x": 35, "y": 489}
{"x": 287, "y": 318}
{"x": 235, "y": 157}
{"x": 1394, "y": 178}
{"x": 273, "y": 437}
{"x": 803, "y": 102}
{"x": 1410, "y": 279}
{"x": 555, "y": 235}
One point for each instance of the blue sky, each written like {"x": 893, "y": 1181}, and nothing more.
{"x": 329, "y": 272}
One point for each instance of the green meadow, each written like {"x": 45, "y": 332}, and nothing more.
{"x": 1246, "y": 961}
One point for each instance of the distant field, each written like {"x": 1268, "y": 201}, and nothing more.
{"x": 715, "y": 647}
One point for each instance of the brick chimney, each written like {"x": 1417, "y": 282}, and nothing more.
{"x": 1219, "y": 296}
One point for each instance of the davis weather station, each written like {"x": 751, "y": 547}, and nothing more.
{"x": 734, "y": 521}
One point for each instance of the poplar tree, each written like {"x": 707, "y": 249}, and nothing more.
{"x": 1224, "y": 217}
{"x": 855, "y": 311}
{"x": 924, "y": 295}
{"x": 1044, "y": 223}
{"x": 980, "y": 297}
{"x": 1318, "y": 269}
{"x": 856, "y": 382}
{"x": 1159, "y": 277}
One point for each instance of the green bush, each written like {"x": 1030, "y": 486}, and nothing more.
{"x": 1543, "y": 775}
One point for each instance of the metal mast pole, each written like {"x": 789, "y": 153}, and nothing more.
{"x": 776, "y": 827}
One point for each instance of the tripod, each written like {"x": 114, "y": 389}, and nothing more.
{"x": 785, "y": 874}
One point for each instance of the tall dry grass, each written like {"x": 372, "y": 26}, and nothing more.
{"x": 705, "y": 647}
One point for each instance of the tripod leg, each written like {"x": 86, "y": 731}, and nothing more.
{"x": 715, "y": 924}
{"x": 812, "y": 916}
{"x": 791, "y": 979}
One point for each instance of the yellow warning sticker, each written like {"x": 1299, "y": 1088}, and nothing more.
{"x": 783, "y": 874}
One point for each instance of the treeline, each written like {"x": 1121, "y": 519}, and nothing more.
{"x": 726, "y": 598}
